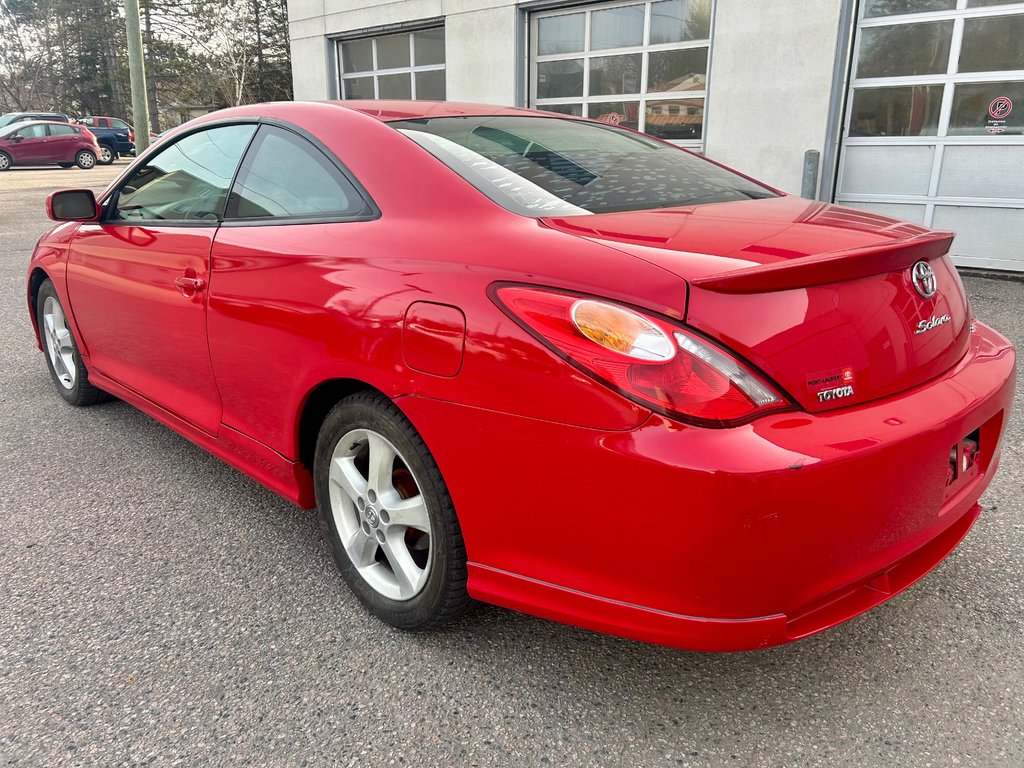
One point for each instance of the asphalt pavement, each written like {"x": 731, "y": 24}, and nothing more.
{"x": 159, "y": 608}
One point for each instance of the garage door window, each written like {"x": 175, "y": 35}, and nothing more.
{"x": 640, "y": 65}
{"x": 407, "y": 65}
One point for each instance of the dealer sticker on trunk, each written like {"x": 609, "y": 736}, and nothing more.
{"x": 832, "y": 385}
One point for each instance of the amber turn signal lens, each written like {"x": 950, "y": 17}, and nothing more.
{"x": 621, "y": 331}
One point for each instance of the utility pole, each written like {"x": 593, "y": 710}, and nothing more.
{"x": 137, "y": 71}
{"x": 154, "y": 109}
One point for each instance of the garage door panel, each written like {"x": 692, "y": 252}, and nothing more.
{"x": 887, "y": 170}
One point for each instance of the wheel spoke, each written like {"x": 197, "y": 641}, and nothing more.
{"x": 63, "y": 336}
{"x": 410, "y": 513}
{"x": 382, "y": 462}
{"x": 361, "y": 549}
{"x": 345, "y": 475}
{"x": 407, "y": 574}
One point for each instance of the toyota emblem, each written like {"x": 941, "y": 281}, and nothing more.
{"x": 923, "y": 277}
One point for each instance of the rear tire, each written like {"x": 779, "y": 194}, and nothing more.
{"x": 65, "y": 165}
{"x": 5, "y": 162}
{"x": 107, "y": 155}
{"x": 387, "y": 514}
{"x": 85, "y": 159}
{"x": 61, "y": 351}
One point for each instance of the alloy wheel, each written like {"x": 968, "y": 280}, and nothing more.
{"x": 58, "y": 342}
{"x": 106, "y": 156}
{"x": 380, "y": 514}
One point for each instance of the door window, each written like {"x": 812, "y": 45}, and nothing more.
{"x": 120, "y": 124}
{"x": 283, "y": 175}
{"x": 187, "y": 181}
{"x": 33, "y": 132}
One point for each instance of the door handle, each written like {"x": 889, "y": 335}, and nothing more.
{"x": 189, "y": 283}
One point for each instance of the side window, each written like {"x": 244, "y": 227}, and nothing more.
{"x": 187, "y": 181}
{"x": 89, "y": 121}
{"x": 119, "y": 124}
{"x": 61, "y": 130}
{"x": 284, "y": 175}
{"x": 33, "y": 132}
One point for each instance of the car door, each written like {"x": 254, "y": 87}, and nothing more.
{"x": 29, "y": 145}
{"x": 62, "y": 144}
{"x": 137, "y": 279}
{"x": 283, "y": 264}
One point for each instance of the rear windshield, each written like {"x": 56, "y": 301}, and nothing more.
{"x": 541, "y": 166}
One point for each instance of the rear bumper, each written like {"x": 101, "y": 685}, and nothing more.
{"x": 705, "y": 634}
{"x": 724, "y": 539}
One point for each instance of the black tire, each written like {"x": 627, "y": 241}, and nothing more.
{"x": 442, "y": 597}
{"x": 5, "y": 162}
{"x": 65, "y": 165}
{"x": 107, "y": 155}
{"x": 78, "y": 391}
{"x": 85, "y": 159}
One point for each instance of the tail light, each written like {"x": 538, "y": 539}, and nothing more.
{"x": 131, "y": 136}
{"x": 650, "y": 360}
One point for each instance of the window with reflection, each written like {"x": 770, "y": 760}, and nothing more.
{"x": 187, "y": 181}
{"x": 285, "y": 176}
{"x": 404, "y": 65}
{"x": 988, "y": 109}
{"x": 911, "y": 110}
{"x": 639, "y": 65}
{"x": 904, "y": 50}
{"x": 992, "y": 44}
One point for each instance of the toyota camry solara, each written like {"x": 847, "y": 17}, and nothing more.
{"x": 540, "y": 362}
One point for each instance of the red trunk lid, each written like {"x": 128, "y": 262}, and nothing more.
{"x": 820, "y": 298}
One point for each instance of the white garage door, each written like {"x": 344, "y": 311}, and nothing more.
{"x": 935, "y": 122}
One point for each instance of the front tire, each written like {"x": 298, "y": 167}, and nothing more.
{"x": 61, "y": 351}
{"x": 387, "y": 515}
{"x": 5, "y": 162}
{"x": 107, "y": 155}
{"x": 85, "y": 159}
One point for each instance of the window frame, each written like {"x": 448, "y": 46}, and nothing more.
{"x": 645, "y": 48}
{"x": 376, "y": 72}
{"x": 373, "y": 211}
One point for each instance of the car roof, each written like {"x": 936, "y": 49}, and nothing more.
{"x": 385, "y": 110}
{"x": 8, "y": 114}
{"x": 12, "y": 127}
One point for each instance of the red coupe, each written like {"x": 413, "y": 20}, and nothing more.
{"x": 541, "y": 362}
{"x": 47, "y": 143}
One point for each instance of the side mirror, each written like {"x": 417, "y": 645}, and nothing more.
{"x": 72, "y": 205}
{"x": 17, "y": 138}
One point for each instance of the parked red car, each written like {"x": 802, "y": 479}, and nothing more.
{"x": 541, "y": 362}
{"x": 45, "y": 143}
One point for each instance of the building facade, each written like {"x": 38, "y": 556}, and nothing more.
{"x": 915, "y": 106}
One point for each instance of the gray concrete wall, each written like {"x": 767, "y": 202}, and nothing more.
{"x": 770, "y": 84}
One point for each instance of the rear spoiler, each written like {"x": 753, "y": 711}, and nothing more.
{"x": 833, "y": 267}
